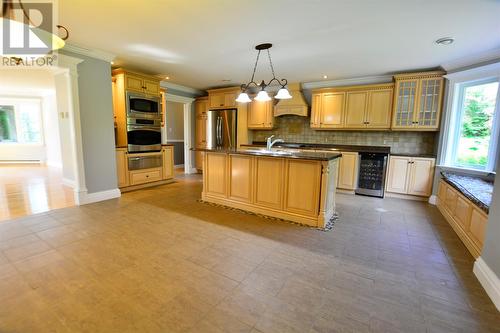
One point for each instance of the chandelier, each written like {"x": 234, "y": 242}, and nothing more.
{"x": 263, "y": 96}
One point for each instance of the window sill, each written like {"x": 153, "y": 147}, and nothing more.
{"x": 466, "y": 171}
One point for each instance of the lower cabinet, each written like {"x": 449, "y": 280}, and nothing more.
{"x": 269, "y": 183}
{"x": 467, "y": 219}
{"x": 128, "y": 178}
{"x": 122, "y": 167}
{"x": 410, "y": 175}
{"x": 348, "y": 171}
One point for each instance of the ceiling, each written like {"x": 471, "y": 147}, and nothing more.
{"x": 200, "y": 43}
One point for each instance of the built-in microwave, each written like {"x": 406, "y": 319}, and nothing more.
{"x": 143, "y": 106}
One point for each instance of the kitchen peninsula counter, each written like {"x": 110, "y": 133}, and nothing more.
{"x": 295, "y": 186}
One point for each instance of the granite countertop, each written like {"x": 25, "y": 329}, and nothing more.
{"x": 326, "y": 146}
{"x": 476, "y": 189}
{"x": 317, "y": 156}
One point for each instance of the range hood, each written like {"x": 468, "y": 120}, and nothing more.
{"x": 296, "y": 105}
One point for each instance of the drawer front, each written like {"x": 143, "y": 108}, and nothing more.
{"x": 145, "y": 177}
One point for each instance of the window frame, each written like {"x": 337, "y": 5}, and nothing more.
{"x": 450, "y": 129}
{"x": 15, "y": 101}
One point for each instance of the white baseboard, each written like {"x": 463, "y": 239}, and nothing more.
{"x": 87, "y": 198}
{"x": 433, "y": 200}
{"x": 489, "y": 280}
{"x": 69, "y": 182}
{"x": 193, "y": 170}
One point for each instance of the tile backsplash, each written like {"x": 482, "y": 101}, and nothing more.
{"x": 297, "y": 129}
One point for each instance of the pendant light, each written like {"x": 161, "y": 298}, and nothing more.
{"x": 17, "y": 29}
{"x": 263, "y": 96}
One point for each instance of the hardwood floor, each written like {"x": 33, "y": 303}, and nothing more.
{"x": 157, "y": 260}
{"x": 27, "y": 189}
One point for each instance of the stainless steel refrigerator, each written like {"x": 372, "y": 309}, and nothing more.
{"x": 221, "y": 129}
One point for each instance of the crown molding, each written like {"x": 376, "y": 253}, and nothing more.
{"x": 178, "y": 87}
{"x": 93, "y": 53}
{"x": 472, "y": 61}
{"x": 348, "y": 82}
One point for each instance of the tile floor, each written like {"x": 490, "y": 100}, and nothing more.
{"x": 158, "y": 261}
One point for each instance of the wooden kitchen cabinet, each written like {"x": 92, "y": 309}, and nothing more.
{"x": 139, "y": 83}
{"x": 327, "y": 110}
{"x": 260, "y": 115}
{"x": 356, "y": 105}
{"x": 298, "y": 190}
{"x": 410, "y": 175}
{"x": 348, "y": 171}
{"x": 465, "y": 217}
{"x": 418, "y": 101}
{"x": 134, "y": 179}
{"x": 379, "y": 109}
{"x": 223, "y": 98}
{"x": 122, "y": 166}
{"x": 353, "y": 107}
{"x": 201, "y": 109}
{"x": 168, "y": 162}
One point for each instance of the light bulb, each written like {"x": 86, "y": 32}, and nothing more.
{"x": 262, "y": 96}
{"x": 283, "y": 94}
{"x": 243, "y": 98}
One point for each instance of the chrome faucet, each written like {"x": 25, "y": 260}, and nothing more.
{"x": 270, "y": 142}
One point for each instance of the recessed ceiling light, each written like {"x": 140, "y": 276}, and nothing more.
{"x": 112, "y": 63}
{"x": 167, "y": 77}
{"x": 325, "y": 76}
{"x": 226, "y": 80}
{"x": 445, "y": 41}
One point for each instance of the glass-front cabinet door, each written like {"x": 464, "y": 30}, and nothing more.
{"x": 418, "y": 101}
{"x": 429, "y": 103}
{"x": 406, "y": 96}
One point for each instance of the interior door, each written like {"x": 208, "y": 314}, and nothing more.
{"x": 356, "y": 102}
{"x": 332, "y": 110}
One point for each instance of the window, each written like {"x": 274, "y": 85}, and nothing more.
{"x": 20, "y": 121}
{"x": 472, "y": 133}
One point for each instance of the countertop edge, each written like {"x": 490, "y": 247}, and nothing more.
{"x": 300, "y": 156}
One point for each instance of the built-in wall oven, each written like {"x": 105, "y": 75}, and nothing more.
{"x": 143, "y": 106}
{"x": 143, "y": 135}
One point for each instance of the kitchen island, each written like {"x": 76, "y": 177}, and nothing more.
{"x": 295, "y": 186}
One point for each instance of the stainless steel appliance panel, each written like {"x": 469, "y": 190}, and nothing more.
{"x": 144, "y": 162}
{"x": 222, "y": 128}
{"x": 143, "y": 138}
{"x": 372, "y": 170}
{"x": 143, "y": 106}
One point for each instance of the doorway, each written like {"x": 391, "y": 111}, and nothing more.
{"x": 179, "y": 110}
{"x": 41, "y": 157}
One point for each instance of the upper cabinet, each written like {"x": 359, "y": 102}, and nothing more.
{"x": 418, "y": 101}
{"x": 138, "y": 82}
{"x": 327, "y": 110}
{"x": 356, "y": 107}
{"x": 260, "y": 115}
{"x": 295, "y": 106}
{"x": 223, "y": 98}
